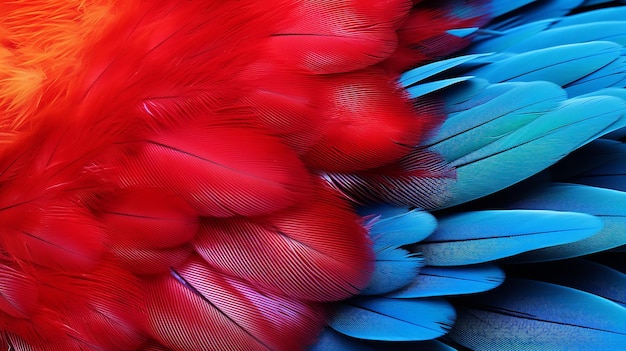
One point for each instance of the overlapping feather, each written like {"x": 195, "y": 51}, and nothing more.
{"x": 508, "y": 132}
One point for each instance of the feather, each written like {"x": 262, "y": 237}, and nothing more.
{"x": 499, "y": 8}
{"x": 320, "y": 245}
{"x": 153, "y": 346}
{"x": 530, "y": 315}
{"x": 225, "y": 182}
{"x": 331, "y": 340}
{"x": 427, "y": 88}
{"x": 19, "y": 291}
{"x": 147, "y": 230}
{"x": 339, "y": 36}
{"x": 599, "y": 15}
{"x": 535, "y": 11}
{"x": 590, "y": 277}
{"x": 442, "y": 281}
{"x": 482, "y": 236}
{"x": 394, "y": 268}
{"x": 369, "y": 122}
{"x": 612, "y": 31}
{"x": 602, "y": 203}
{"x": 196, "y": 308}
{"x": 61, "y": 236}
{"x": 428, "y": 31}
{"x": 394, "y": 319}
{"x": 492, "y": 41}
{"x": 611, "y": 75}
{"x": 552, "y": 136}
{"x": 497, "y": 111}
{"x": 396, "y": 226}
{"x": 560, "y": 65}
{"x": 419, "y": 179}
{"x": 419, "y": 74}
{"x": 599, "y": 164}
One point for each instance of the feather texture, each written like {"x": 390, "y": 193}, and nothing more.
{"x": 395, "y": 319}
{"x": 553, "y": 318}
{"x": 476, "y": 237}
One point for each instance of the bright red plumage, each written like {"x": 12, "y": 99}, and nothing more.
{"x": 160, "y": 161}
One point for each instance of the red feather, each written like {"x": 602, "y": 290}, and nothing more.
{"x": 222, "y": 167}
{"x": 197, "y": 308}
{"x": 368, "y": 120}
{"x": 319, "y": 244}
{"x": 334, "y": 36}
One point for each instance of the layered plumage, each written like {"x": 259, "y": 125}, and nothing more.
{"x": 217, "y": 175}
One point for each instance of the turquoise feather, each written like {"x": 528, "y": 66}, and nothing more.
{"x": 533, "y": 147}
{"x": 497, "y": 111}
{"x": 427, "y": 88}
{"x": 499, "y": 41}
{"x": 611, "y": 75}
{"x": 560, "y": 65}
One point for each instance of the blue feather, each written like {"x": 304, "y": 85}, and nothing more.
{"x": 483, "y": 236}
{"x": 397, "y": 226}
{"x": 611, "y": 75}
{"x": 607, "y": 205}
{"x": 589, "y": 276}
{"x": 499, "y": 8}
{"x": 421, "y": 73}
{"x": 394, "y": 319}
{"x": 617, "y": 92}
{"x": 427, "y": 88}
{"x": 529, "y": 315}
{"x": 462, "y": 32}
{"x": 442, "y": 281}
{"x": 394, "y": 268}
{"x": 499, "y": 41}
{"x": 602, "y": 164}
{"x": 330, "y": 340}
{"x": 601, "y": 15}
{"x": 538, "y": 10}
{"x": 463, "y": 96}
{"x": 613, "y": 31}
